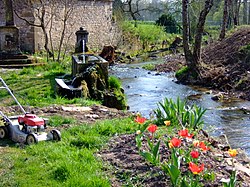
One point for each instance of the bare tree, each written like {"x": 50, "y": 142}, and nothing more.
{"x": 44, "y": 14}
{"x": 224, "y": 21}
{"x": 133, "y": 8}
{"x": 244, "y": 12}
{"x": 193, "y": 58}
{"x": 39, "y": 13}
{"x": 68, "y": 8}
{"x": 248, "y": 22}
{"x": 237, "y": 4}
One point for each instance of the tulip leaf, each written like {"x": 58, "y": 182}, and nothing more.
{"x": 147, "y": 156}
{"x": 138, "y": 141}
{"x": 156, "y": 149}
{"x": 173, "y": 172}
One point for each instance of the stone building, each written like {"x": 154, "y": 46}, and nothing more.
{"x": 95, "y": 16}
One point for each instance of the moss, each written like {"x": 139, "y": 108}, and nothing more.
{"x": 115, "y": 98}
{"x": 114, "y": 83}
{"x": 149, "y": 67}
{"x": 181, "y": 72}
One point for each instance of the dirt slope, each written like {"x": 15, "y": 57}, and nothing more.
{"x": 225, "y": 65}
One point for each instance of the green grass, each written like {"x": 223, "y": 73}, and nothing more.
{"x": 36, "y": 86}
{"x": 71, "y": 162}
{"x": 56, "y": 121}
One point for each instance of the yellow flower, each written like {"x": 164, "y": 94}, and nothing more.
{"x": 232, "y": 152}
{"x": 196, "y": 143}
{"x": 167, "y": 123}
{"x": 170, "y": 145}
{"x": 138, "y": 132}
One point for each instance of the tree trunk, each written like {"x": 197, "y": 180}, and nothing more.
{"x": 46, "y": 38}
{"x": 224, "y": 21}
{"x": 185, "y": 32}
{"x": 236, "y": 12}
{"x": 244, "y": 21}
{"x": 231, "y": 13}
{"x": 248, "y": 13}
{"x": 193, "y": 59}
{"x": 200, "y": 30}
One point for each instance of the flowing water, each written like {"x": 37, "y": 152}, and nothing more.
{"x": 145, "y": 89}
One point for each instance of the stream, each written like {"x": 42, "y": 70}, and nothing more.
{"x": 144, "y": 89}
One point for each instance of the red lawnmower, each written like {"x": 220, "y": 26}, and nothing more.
{"x": 27, "y": 128}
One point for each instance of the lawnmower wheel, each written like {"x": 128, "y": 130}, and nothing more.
{"x": 56, "y": 135}
{"x": 3, "y": 132}
{"x": 31, "y": 139}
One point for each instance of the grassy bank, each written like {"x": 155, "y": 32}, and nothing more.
{"x": 71, "y": 162}
{"x": 36, "y": 86}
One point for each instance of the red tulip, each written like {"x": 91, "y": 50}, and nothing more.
{"x": 152, "y": 128}
{"x": 140, "y": 120}
{"x": 195, "y": 169}
{"x": 184, "y": 133}
{"x": 175, "y": 142}
{"x": 194, "y": 154}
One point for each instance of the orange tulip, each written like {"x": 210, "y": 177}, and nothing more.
{"x": 195, "y": 169}
{"x": 140, "y": 120}
{"x": 232, "y": 152}
{"x": 152, "y": 128}
{"x": 203, "y": 146}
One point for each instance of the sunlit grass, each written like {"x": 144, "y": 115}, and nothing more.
{"x": 70, "y": 162}
{"x": 36, "y": 86}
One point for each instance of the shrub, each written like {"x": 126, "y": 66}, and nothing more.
{"x": 168, "y": 22}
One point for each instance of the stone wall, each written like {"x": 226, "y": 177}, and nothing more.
{"x": 94, "y": 16}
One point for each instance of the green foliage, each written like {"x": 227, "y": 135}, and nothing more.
{"x": 179, "y": 113}
{"x": 114, "y": 83}
{"x": 152, "y": 155}
{"x": 245, "y": 50}
{"x": 168, "y": 21}
{"x": 173, "y": 172}
{"x": 144, "y": 36}
{"x": 181, "y": 72}
{"x": 149, "y": 67}
{"x": 232, "y": 181}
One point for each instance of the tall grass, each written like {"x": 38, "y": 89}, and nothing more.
{"x": 71, "y": 162}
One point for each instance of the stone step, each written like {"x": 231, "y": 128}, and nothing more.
{"x": 19, "y": 66}
{"x": 13, "y": 56}
{"x": 15, "y": 61}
